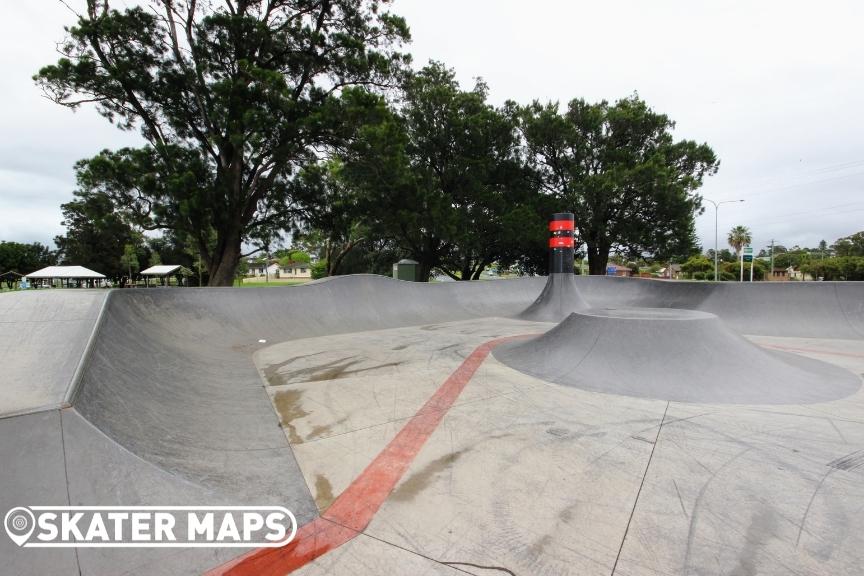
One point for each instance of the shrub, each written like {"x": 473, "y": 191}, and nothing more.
{"x": 319, "y": 269}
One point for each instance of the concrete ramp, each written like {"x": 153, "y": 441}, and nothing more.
{"x": 675, "y": 355}
{"x": 43, "y": 336}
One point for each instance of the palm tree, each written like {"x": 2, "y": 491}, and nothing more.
{"x": 739, "y": 237}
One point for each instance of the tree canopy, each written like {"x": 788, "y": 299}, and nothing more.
{"x": 631, "y": 185}
{"x": 232, "y": 99}
{"x": 96, "y": 234}
{"x": 739, "y": 236}
{"x": 302, "y": 117}
{"x": 25, "y": 258}
{"x": 441, "y": 175}
{"x": 852, "y": 245}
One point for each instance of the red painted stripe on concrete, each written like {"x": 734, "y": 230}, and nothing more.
{"x": 812, "y": 350}
{"x": 352, "y": 511}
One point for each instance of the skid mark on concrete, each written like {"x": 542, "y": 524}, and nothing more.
{"x": 324, "y": 430}
{"x": 810, "y": 504}
{"x": 333, "y": 370}
{"x": 849, "y": 462}
{"x": 420, "y": 480}
{"x": 323, "y": 492}
{"x": 288, "y": 407}
{"x": 271, "y": 372}
{"x": 680, "y": 500}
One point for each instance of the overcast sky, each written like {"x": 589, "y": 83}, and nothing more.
{"x": 775, "y": 87}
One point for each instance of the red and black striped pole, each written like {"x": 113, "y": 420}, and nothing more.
{"x": 561, "y": 256}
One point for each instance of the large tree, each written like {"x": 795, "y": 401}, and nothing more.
{"x": 441, "y": 175}
{"x": 850, "y": 245}
{"x": 96, "y": 235}
{"x": 231, "y": 98}
{"x": 25, "y": 258}
{"x": 618, "y": 167}
{"x": 739, "y": 236}
{"x": 330, "y": 216}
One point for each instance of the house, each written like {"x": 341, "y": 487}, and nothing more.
{"x": 262, "y": 269}
{"x": 618, "y": 270}
{"x": 795, "y": 274}
{"x": 671, "y": 272}
{"x": 778, "y": 275}
{"x": 295, "y": 270}
{"x": 275, "y": 270}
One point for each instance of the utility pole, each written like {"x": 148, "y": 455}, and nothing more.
{"x": 716, "y": 210}
{"x": 771, "y": 270}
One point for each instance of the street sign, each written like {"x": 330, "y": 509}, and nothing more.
{"x": 748, "y": 254}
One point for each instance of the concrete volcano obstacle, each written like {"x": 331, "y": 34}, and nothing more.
{"x": 560, "y": 296}
{"x": 677, "y": 355}
{"x": 559, "y": 299}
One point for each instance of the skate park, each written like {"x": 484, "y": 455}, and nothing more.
{"x": 543, "y": 425}
{"x": 390, "y": 287}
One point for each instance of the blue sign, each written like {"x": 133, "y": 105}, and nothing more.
{"x": 610, "y": 270}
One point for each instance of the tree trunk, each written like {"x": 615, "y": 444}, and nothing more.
{"x": 598, "y": 257}
{"x": 223, "y": 265}
{"x": 425, "y": 270}
{"x": 334, "y": 264}
{"x": 428, "y": 259}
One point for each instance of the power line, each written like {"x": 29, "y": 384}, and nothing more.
{"x": 810, "y": 214}
{"x": 825, "y": 169}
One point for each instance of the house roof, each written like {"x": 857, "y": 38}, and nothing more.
{"x": 161, "y": 270}
{"x": 75, "y": 272}
{"x": 11, "y": 274}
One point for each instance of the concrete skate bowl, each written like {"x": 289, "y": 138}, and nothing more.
{"x": 675, "y": 355}
{"x": 168, "y": 407}
{"x": 170, "y": 376}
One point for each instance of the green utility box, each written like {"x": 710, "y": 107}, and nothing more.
{"x": 406, "y": 270}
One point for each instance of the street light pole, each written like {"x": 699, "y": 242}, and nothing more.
{"x": 716, "y": 210}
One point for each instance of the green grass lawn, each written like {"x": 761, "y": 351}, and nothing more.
{"x": 271, "y": 284}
